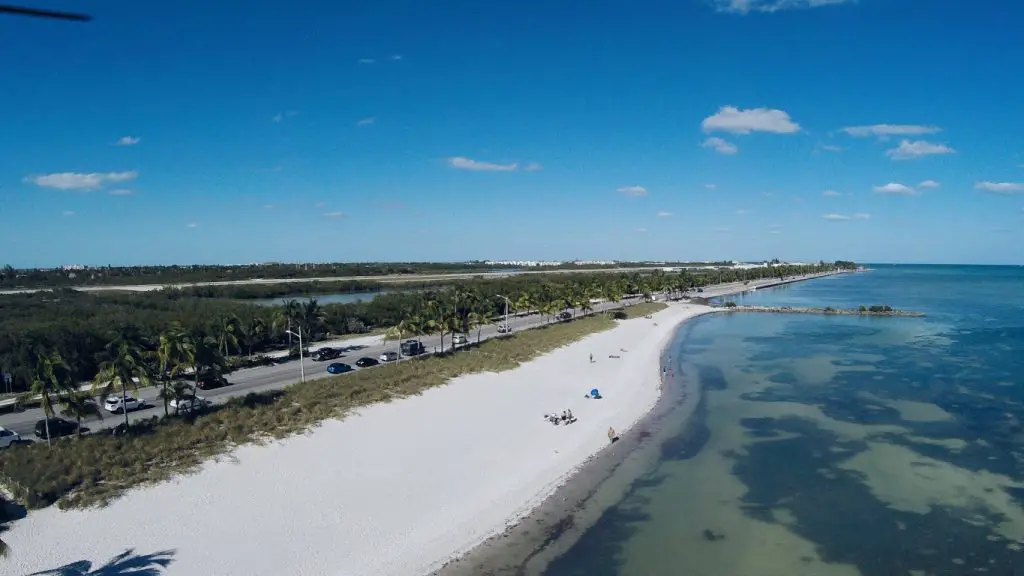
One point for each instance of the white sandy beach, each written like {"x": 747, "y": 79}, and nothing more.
{"x": 396, "y": 489}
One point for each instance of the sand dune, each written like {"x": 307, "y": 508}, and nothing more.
{"x": 396, "y": 489}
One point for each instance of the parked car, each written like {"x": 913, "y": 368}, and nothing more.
{"x": 121, "y": 404}
{"x": 459, "y": 339}
{"x": 58, "y": 427}
{"x": 211, "y": 380}
{"x": 504, "y": 329}
{"x": 8, "y": 437}
{"x": 326, "y": 353}
{"x": 388, "y": 357}
{"x": 565, "y": 316}
{"x": 189, "y": 403}
{"x": 700, "y": 289}
{"x": 412, "y": 348}
{"x": 339, "y": 368}
{"x": 366, "y": 362}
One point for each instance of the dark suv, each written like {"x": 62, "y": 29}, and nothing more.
{"x": 565, "y": 316}
{"x": 212, "y": 380}
{"x": 58, "y": 427}
{"x": 326, "y": 354}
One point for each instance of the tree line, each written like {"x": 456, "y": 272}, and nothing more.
{"x": 81, "y": 329}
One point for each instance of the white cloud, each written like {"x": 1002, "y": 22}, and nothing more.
{"x": 633, "y": 190}
{"x": 68, "y": 213}
{"x": 917, "y": 149}
{"x": 723, "y": 229}
{"x": 928, "y": 184}
{"x": 886, "y": 130}
{"x": 269, "y": 206}
{"x": 641, "y": 230}
{"x": 775, "y": 226}
{"x": 367, "y": 60}
{"x": 533, "y": 167}
{"x": 895, "y": 189}
{"x": 837, "y": 217}
{"x": 121, "y": 192}
{"x": 282, "y": 115}
{"x": 463, "y": 163}
{"x": 830, "y": 193}
{"x": 711, "y": 186}
{"x": 320, "y": 204}
{"x": 78, "y": 180}
{"x": 747, "y": 6}
{"x": 737, "y": 121}
{"x": 366, "y": 121}
{"x": 775, "y": 231}
{"x": 862, "y": 216}
{"x": 1002, "y": 188}
{"x": 127, "y": 141}
{"x": 192, "y": 225}
{"x": 664, "y": 214}
{"x": 720, "y": 145}
{"x": 743, "y": 211}
{"x": 334, "y": 214}
{"x": 396, "y": 57}
{"x": 831, "y": 148}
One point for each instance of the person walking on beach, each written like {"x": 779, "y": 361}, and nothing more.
{"x": 591, "y": 357}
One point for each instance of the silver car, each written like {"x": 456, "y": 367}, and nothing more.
{"x": 388, "y": 357}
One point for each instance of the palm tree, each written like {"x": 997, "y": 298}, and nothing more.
{"x": 254, "y": 332}
{"x": 410, "y": 325}
{"x": 436, "y": 322}
{"x": 228, "y": 330}
{"x": 479, "y": 318}
{"x": 287, "y": 315}
{"x": 80, "y": 405}
{"x": 175, "y": 353}
{"x": 312, "y": 317}
{"x": 124, "y": 367}
{"x": 50, "y": 378}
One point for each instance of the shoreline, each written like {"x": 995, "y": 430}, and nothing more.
{"x": 400, "y": 488}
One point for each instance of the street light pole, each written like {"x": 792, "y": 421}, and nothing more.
{"x": 505, "y": 298}
{"x": 302, "y": 367}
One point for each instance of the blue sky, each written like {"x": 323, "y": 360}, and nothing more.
{"x": 230, "y": 131}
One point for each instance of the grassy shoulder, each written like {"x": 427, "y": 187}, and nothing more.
{"x": 641, "y": 310}
{"x": 87, "y": 471}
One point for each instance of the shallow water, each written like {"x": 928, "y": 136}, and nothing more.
{"x": 838, "y": 445}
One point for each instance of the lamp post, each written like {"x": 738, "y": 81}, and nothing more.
{"x": 302, "y": 368}
{"x": 505, "y": 298}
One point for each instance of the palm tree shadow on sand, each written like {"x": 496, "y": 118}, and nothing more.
{"x": 127, "y": 563}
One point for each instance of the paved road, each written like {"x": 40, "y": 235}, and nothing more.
{"x": 386, "y": 279}
{"x": 278, "y": 376}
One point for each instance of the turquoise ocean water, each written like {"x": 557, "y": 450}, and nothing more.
{"x": 838, "y": 445}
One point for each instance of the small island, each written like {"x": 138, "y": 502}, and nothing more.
{"x": 875, "y": 310}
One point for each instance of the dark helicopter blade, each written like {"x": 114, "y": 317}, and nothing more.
{"x": 35, "y": 12}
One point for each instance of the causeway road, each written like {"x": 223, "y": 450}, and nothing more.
{"x": 279, "y": 376}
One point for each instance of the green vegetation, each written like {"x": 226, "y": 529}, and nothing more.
{"x": 92, "y": 470}
{"x": 729, "y": 304}
{"x": 880, "y": 308}
{"x": 641, "y": 310}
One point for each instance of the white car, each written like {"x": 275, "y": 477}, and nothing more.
{"x": 459, "y": 339}
{"x": 388, "y": 357}
{"x": 188, "y": 402}
{"x": 119, "y": 404}
{"x": 8, "y": 437}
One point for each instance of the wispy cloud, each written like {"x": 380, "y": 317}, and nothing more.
{"x": 396, "y": 57}
{"x": 192, "y": 225}
{"x": 830, "y": 194}
{"x": 743, "y": 211}
{"x": 366, "y": 60}
{"x": 722, "y": 229}
{"x": 831, "y": 148}
{"x": 633, "y": 190}
{"x": 737, "y": 121}
{"x": 928, "y": 184}
{"x": 710, "y": 186}
{"x": 836, "y": 217}
{"x": 908, "y": 150}
{"x": 68, "y": 213}
{"x": 334, "y": 214}
{"x": 862, "y": 216}
{"x": 747, "y": 6}
{"x": 320, "y": 204}
{"x": 720, "y": 145}
{"x": 280, "y": 116}
{"x": 127, "y": 141}
{"x": 78, "y": 180}
{"x": 1001, "y": 188}
{"x": 121, "y": 192}
{"x": 641, "y": 230}
{"x": 895, "y": 189}
{"x": 775, "y": 226}
{"x": 463, "y": 163}
{"x": 366, "y": 121}
{"x": 269, "y": 206}
{"x": 886, "y": 130}
{"x": 664, "y": 214}
{"x": 533, "y": 167}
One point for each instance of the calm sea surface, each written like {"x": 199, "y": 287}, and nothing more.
{"x": 838, "y": 445}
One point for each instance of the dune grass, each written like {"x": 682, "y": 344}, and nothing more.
{"x": 643, "y": 309}
{"x": 94, "y": 470}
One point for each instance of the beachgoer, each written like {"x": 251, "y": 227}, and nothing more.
{"x": 591, "y": 357}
